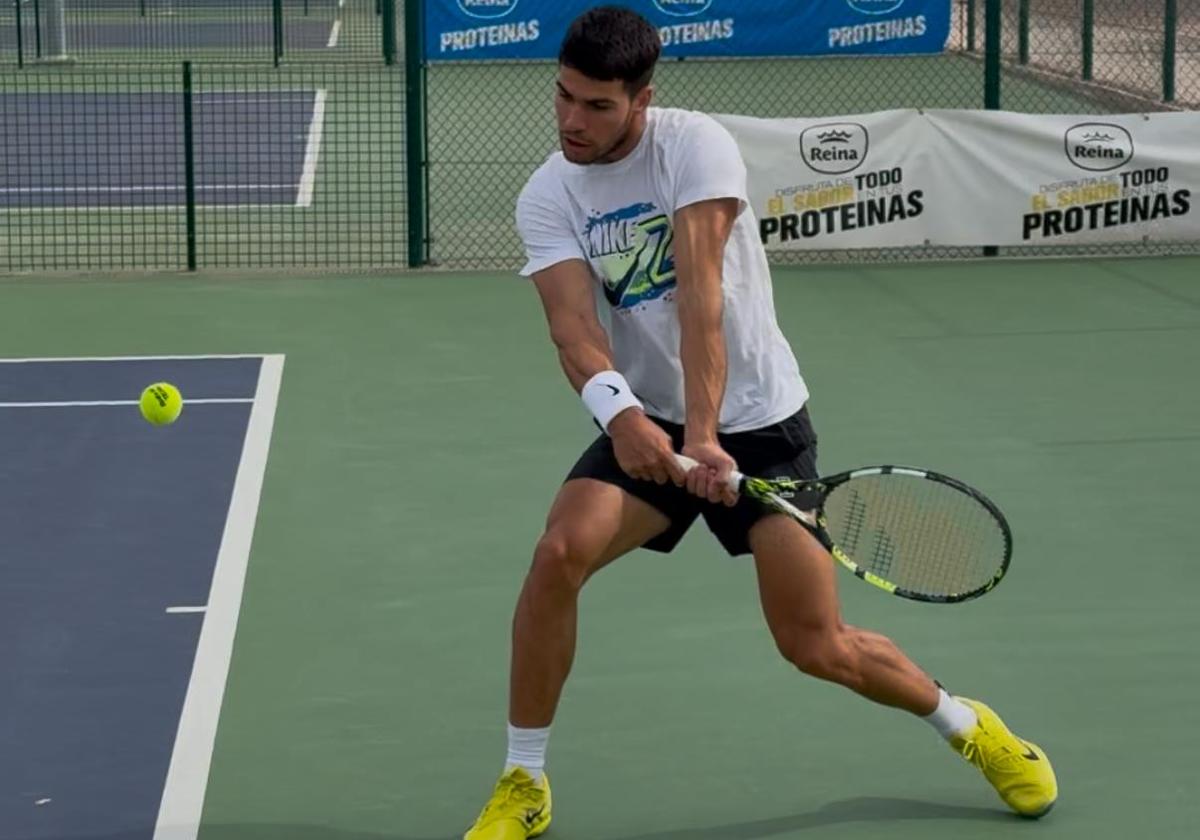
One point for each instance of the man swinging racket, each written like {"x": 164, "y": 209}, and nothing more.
{"x": 642, "y": 220}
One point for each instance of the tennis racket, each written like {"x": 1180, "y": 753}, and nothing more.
{"x": 910, "y": 532}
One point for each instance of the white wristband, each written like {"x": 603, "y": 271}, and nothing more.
{"x": 606, "y": 395}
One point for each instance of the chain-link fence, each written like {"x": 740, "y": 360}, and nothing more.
{"x": 1131, "y": 55}
{"x": 303, "y": 154}
{"x": 474, "y": 184}
{"x": 491, "y": 125}
{"x": 202, "y": 166}
{"x": 155, "y": 31}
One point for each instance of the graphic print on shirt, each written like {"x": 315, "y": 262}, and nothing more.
{"x": 632, "y": 249}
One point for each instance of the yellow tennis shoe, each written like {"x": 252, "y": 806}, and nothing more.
{"x": 519, "y": 808}
{"x": 1018, "y": 770}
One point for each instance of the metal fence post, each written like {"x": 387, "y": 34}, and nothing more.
{"x": 1089, "y": 38}
{"x": 992, "y": 71}
{"x": 992, "y": 55}
{"x": 189, "y": 166}
{"x": 970, "y": 25}
{"x": 389, "y": 30}
{"x": 37, "y": 27}
{"x": 20, "y": 41}
{"x": 1170, "y": 34}
{"x": 277, "y": 20}
{"x": 1023, "y": 32}
{"x": 416, "y": 145}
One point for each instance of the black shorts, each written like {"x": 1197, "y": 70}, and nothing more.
{"x": 786, "y": 449}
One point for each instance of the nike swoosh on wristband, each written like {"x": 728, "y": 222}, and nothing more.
{"x": 612, "y": 388}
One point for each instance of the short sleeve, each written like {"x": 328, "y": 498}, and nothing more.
{"x": 545, "y": 228}
{"x": 708, "y": 164}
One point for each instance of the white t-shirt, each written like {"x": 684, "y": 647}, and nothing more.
{"x": 618, "y": 216}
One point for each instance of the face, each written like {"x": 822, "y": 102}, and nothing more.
{"x": 598, "y": 122}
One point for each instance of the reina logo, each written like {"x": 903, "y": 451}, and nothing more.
{"x": 487, "y": 8}
{"x": 875, "y": 7}
{"x": 683, "y": 8}
{"x": 834, "y": 148}
{"x": 1099, "y": 147}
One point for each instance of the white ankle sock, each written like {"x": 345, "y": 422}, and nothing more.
{"x": 951, "y": 717}
{"x": 527, "y": 749}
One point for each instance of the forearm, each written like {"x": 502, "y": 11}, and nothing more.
{"x": 582, "y": 358}
{"x": 583, "y": 353}
{"x": 702, "y": 351}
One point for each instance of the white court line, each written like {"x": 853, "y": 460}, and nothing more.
{"x": 333, "y": 34}
{"x": 156, "y": 188}
{"x": 312, "y": 152}
{"x": 187, "y": 777}
{"x": 22, "y": 361}
{"x": 93, "y": 403}
{"x": 186, "y": 610}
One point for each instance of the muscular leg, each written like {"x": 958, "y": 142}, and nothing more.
{"x": 798, "y": 587}
{"x": 591, "y": 523}
{"x": 799, "y": 597}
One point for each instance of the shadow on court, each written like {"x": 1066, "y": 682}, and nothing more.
{"x": 859, "y": 809}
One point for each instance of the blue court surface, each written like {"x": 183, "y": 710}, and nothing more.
{"x": 124, "y": 552}
{"x": 82, "y": 149}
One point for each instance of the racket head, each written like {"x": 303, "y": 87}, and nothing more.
{"x": 917, "y": 533}
{"x": 913, "y": 532}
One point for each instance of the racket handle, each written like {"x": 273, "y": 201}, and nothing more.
{"x": 688, "y": 464}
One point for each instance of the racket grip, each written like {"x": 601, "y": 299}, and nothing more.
{"x": 688, "y": 464}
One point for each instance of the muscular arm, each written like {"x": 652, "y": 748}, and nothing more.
{"x": 642, "y": 449}
{"x": 701, "y": 231}
{"x": 583, "y": 348}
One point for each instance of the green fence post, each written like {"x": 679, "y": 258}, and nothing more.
{"x": 389, "y": 29}
{"x": 1170, "y": 33}
{"x": 992, "y": 55}
{"x": 1089, "y": 37}
{"x": 189, "y": 166}
{"x": 416, "y": 145}
{"x": 142, "y": 8}
{"x": 277, "y": 19}
{"x": 20, "y": 42}
{"x": 37, "y": 27}
{"x": 1023, "y": 32}
{"x": 970, "y": 25}
{"x": 992, "y": 71}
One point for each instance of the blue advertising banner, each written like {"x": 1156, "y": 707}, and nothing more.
{"x": 489, "y": 29}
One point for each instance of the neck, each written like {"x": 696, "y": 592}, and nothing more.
{"x": 637, "y": 127}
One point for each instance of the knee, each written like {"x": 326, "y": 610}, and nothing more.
{"x": 558, "y": 563}
{"x": 822, "y": 653}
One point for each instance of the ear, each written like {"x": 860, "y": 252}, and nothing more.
{"x": 643, "y": 98}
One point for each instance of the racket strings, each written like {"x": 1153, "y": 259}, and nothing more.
{"x": 920, "y": 534}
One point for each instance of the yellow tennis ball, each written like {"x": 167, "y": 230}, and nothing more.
{"x": 161, "y": 403}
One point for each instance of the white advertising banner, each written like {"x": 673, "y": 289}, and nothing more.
{"x": 860, "y": 181}
{"x": 971, "y": 178}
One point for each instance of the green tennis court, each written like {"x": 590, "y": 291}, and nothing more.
{"x": 423, "y": 427}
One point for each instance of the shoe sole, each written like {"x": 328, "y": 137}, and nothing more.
{"x": 1040, "y": 813}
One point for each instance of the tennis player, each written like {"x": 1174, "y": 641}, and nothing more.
{"x": 657, "y": 291}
